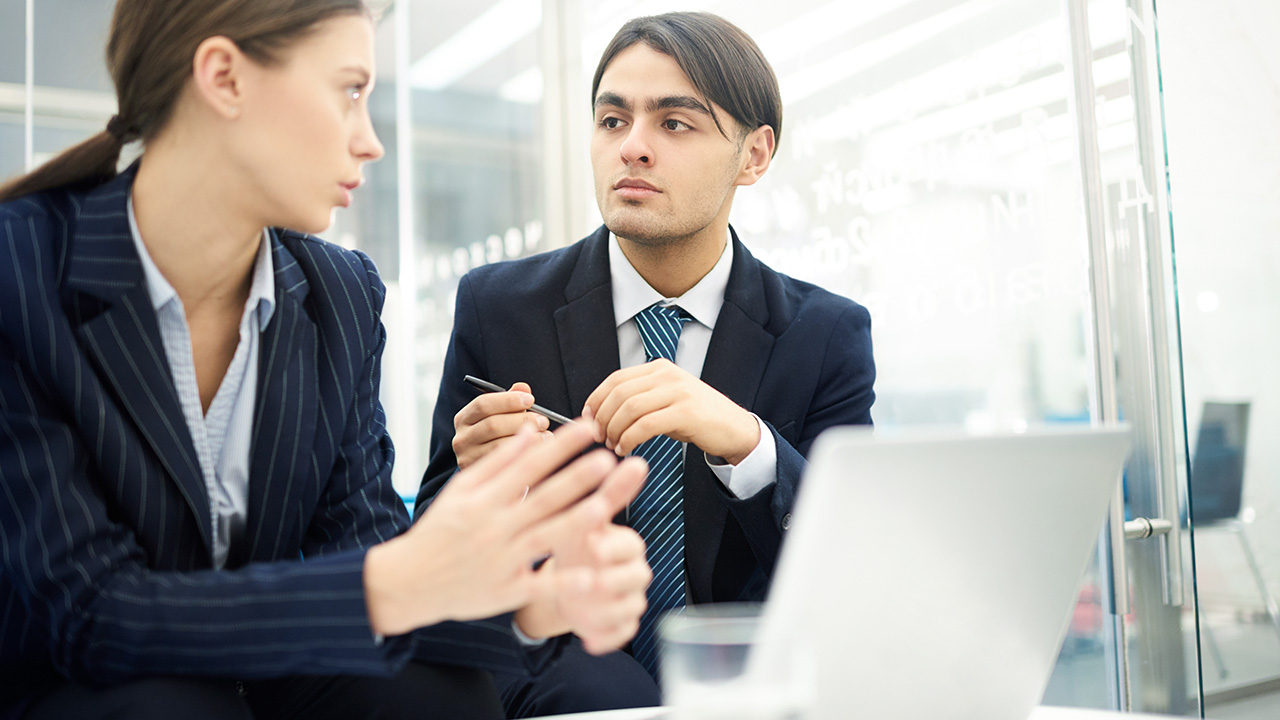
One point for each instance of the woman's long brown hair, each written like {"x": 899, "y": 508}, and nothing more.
{"x": 149, "y": 55}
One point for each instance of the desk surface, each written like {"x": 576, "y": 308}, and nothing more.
{"x": 1040, "y": 713}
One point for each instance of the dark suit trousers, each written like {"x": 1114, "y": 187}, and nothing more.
{"x": 419, "y": 691}
{"x": 579, "y": 682}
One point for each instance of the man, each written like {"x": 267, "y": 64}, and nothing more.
{"x": 664, "y": 331}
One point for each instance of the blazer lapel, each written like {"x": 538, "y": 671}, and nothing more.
{"x": 585, "y": 323}
{"x": 735, "y": 364}
{"x": 740, "y": 345}
{"x": 285, "y": 417}
{"x": 123, "y": 341}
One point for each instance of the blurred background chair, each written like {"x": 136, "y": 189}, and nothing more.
{"x": 1217, "y": 489}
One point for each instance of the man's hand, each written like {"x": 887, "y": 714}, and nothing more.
{"x": 600, "y": 581}
{"x": 488, "y": 421}
{"x": 471, "y": 554}
{"x": 658, "y": 398}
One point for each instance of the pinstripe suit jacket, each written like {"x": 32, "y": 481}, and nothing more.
{"x": 105, "y": 520}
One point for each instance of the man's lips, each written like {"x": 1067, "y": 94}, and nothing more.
{"x": 635, "y": 189}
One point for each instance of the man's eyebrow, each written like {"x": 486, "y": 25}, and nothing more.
{"x": 685, "y": 102}
{"x": 609, "y": 99}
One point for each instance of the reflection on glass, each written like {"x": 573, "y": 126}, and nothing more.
{"x": 927, "y": 170}
{"x": 1214, "y": 60}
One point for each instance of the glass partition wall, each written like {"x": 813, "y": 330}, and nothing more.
{"x": 51, "y": 95}
{"x": 459, "y": 106}
{"x": 987, "y": 176}
{"x": 1220, "y": 71}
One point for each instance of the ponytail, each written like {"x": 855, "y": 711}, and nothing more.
{"x": 91, "y": 162}
{"x": 149, "y": 52}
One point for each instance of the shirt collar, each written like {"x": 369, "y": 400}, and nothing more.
{"x": 631, "y": 293}
{"x": 262, "y": 290}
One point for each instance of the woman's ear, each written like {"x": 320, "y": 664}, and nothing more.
{"x": 217, "y": 71}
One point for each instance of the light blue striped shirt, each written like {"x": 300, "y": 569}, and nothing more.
{"x": 223, "y": 438}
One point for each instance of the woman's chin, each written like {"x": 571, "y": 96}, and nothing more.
{"x": 313, "y": 225}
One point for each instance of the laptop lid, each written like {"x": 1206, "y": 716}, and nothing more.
{"x": 932, "y": 574}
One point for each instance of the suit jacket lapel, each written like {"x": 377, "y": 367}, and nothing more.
{"x": 735, "y": 364}
{"x": 285, "y": 416}
{"x": 123, "y": 341}
{"x": 740, "y": 345}
{"x": 585, "y": 323}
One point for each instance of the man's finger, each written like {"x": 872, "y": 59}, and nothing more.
{"x": 487, "y": 467}
{"x": 488, "y": 429}
{"x": 602, "y": 392}
{"x": 496, "y": 403}
{"x": 536, "y": 421}
{"x": 630, "y": 398}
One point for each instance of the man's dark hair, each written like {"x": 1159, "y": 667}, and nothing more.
{"x": 721, "y": 61}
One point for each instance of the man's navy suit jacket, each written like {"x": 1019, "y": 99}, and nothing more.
{"x": 106, "y": 568}
{"x": 793, "y": 353}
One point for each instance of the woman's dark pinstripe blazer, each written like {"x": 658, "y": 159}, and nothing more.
{"x": 104, "y": 518}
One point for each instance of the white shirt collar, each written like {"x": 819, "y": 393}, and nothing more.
{"x": 262, "y": 290}
{"x": 631, "y": 293}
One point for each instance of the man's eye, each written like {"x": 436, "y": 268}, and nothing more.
{"x": 610, "y": 123}
{"x": 674, "y": 125}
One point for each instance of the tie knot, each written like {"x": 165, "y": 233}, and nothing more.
{"x": 660, "y": 330}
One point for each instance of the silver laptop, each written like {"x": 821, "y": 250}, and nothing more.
{"x": 932, "y": 574}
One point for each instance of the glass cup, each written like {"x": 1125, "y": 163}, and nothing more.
{"x": 710, "y": 671}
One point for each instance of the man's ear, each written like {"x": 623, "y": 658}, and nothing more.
{"x": 757, "y": 154}
{"x": 217, "y": 70}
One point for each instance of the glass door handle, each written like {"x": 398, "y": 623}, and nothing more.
{"x": 1143, "y": 528}
{"x": 1142, "y": 271}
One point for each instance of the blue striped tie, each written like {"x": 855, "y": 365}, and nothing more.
{"x": 658, "y": 513}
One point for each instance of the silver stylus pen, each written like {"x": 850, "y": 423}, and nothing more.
{"x": 487, "y": 386}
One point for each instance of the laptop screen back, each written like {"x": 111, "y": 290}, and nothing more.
{"x": 933, "y": 574}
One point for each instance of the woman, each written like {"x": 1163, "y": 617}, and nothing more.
{"x": 189, "y": 406}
